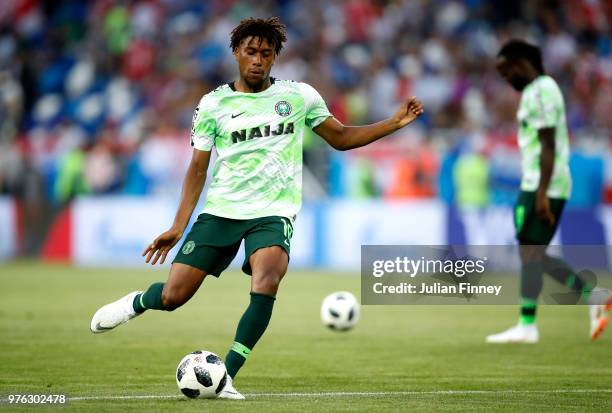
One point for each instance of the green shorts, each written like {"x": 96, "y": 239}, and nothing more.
{"x": 530, "y": 229}
{"x": 213, "y": 241}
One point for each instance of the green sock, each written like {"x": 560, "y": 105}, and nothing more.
{"x": 531, "y": 280}
{"x": 531, "y": 286}
{"x": 250, "y": 329}
{"x": 528, "y": 311}
{"x": 150, "y": 299}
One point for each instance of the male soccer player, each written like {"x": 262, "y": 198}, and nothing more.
{"x": 256, "y": 125}
{"x": 545, "y": 186}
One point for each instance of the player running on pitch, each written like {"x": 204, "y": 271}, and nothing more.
{"x": 256, "y": 125}
{"x": 545, "y": 186}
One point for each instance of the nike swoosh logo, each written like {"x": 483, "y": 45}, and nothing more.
{"x": 99, "y": 327}
{"x": 235, "y": 116}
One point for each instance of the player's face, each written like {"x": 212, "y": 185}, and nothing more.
{"x": 514, "y": 72}
{"x": 255, "y": 57}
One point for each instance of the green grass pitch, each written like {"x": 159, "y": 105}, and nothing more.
{"x": 398, "y": 358}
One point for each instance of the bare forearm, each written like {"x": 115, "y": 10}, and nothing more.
{"x": 357, "y": 136}
{"x": 192, "y": 188}
{"x": 343, "y": 137}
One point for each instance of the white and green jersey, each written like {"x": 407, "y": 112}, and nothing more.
{"x": 258, "y": 138}
{"x": 541, "y": 107}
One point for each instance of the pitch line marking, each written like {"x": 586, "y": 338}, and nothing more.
{"x": 357, "y": 394}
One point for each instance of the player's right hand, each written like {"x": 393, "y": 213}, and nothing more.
{"x": 543, "y": 210}
{"x": 161, "y": 246}
{"x": 408, "y": 112}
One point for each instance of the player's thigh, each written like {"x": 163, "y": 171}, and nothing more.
{"x": 530, "y": 229}
{"x": 264, "y": 234}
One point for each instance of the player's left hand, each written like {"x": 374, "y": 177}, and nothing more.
{"x": 408, "y": 112}
{"x": 543, "y": 210}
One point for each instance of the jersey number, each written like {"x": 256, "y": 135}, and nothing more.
{"x": 287, "y": 231}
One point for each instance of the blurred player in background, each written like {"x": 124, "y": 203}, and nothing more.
{"x": 545, "y": 187}
{"x": 256, "y": 125}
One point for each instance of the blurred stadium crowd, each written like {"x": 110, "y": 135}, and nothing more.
{"x": 96, "y": 97}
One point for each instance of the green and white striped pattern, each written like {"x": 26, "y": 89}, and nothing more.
{"x": 258, "y": 138}
{"x": 542, "y": 106}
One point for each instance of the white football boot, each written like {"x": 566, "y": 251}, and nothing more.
{"x": 520, "y": 333}
{"x": 229, "y": 392}
{"x": 598, "y": 314}
{"x": 114, "y": 314}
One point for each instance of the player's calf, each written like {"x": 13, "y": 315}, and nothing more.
{"x": 164, "y": 296}
{"x": 183, "y": 282}
{"x": 174, "y": 297}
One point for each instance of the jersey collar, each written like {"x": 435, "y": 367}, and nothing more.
{"x": 231, "y": 84}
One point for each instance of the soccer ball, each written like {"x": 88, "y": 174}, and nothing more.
{"x": 201, "y": 374}
{"x": 340, "y": 311}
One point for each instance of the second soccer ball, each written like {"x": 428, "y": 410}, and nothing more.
{"x": 340, "y": 311}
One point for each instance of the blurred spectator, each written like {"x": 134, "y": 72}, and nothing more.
{"x": 414, "y": 175}
{"x": 70, "y": 180}
{"x": 471, "y": 177}
{"x": 11, "y": 106}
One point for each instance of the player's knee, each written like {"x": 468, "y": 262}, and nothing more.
{"x": 532, "y": 254}
{"x": 268, "y": 282}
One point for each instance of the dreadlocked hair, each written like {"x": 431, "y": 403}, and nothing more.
{"x": 270, "y": 29}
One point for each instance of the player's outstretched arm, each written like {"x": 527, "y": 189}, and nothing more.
{"x": 344, "y": 137}
{"x": 192, "y": 188}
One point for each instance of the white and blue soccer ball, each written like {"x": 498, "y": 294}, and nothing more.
{"x": 340, "y": 311}
{"x": 201, "y": 374}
